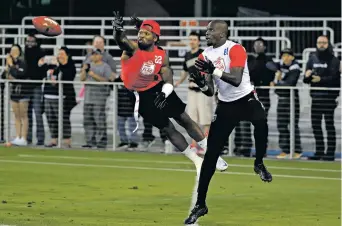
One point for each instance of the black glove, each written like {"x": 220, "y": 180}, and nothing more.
{"x": 197, "y": 78}
{"x": 160, "y": 101}
{"x": 117, "y": 22}
{"x": 204, "y": 66}
{"x": 136, "y": 21}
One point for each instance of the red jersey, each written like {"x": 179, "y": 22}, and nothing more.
{"x": 142, "y": 71}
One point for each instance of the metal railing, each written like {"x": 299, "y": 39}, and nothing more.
{"x": 77, "y": 120}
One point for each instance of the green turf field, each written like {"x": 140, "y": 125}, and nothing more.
{"x": 55, "y": 187}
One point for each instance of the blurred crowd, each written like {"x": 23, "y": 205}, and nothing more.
{"x": 42, "y": 96}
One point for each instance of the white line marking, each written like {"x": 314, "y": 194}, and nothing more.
{"x": 171, "y": 162}
{"x": 157, "y": 168}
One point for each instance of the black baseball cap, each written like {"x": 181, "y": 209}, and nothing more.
{"x": 287, "y": 51}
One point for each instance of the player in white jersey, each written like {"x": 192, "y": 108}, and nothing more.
{"x": 225, "y": 62}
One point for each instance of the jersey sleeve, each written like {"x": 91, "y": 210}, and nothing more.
{"x": 238, "y": 56}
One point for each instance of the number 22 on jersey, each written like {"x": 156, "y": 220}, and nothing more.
{"x": 157, "y": 59}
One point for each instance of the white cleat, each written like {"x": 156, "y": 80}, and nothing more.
{"x": 221, "y": 165}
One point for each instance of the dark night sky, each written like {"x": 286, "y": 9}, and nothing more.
{"x": 228, "y": 8}
{"x": 221, "y": 8}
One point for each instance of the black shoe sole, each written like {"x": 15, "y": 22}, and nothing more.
{"x": 206, "y": 212}
{"x": 263, "y": 179}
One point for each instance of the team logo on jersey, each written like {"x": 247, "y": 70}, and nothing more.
{"x": 148, "y": 68}
{"x": 219, "y": 63}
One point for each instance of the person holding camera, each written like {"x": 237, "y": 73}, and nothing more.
{"x": 60, "y": 68}
{"x": 323, "y": 70}
{"x": 95, "y": 98}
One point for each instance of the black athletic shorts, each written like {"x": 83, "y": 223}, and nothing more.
{"x": 150, "y": 113}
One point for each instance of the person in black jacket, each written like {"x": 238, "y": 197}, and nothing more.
{"x": 20, "y": 93}
{"x": 65, "y": 70}
{"x": 33, "y": 53}
{"x": 260, "y": 75}
{"x": 323, "y": 70}
{"x": 287, "y": 75}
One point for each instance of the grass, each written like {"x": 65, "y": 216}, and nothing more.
{"x": 55, "y": 187}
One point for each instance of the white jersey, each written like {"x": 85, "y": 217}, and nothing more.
{"x": 221, "y": 57}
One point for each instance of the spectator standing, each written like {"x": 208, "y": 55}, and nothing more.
{"x": 287, "y": 75}
{"x": 99, "y": 43}
{"x": 200, "y": 106}
{"x": 260, "y": 75}
{"x": 33, "y": 53}
{"x": 126, "y": 101}
{"x": 62, "y": 70}
{"x": 94, "y": 112}
{"x": 20, "y": 93}
{"x": 323, "y": 70}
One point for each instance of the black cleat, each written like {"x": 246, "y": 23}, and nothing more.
{"x": 197, "y": 212}
{"x": 263, "y": 172}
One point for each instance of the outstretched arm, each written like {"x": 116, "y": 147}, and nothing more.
{"x": 120, "y": 36}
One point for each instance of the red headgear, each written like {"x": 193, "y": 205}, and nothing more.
{"x": 152, "y": 26}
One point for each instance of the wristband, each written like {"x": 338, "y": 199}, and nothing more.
{"x": 167, "y": 89}
{"x": 204, "y": 88}
{"x": 217, "y": 73}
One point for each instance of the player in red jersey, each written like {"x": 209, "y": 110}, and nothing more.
{"x": 146, "y": 71}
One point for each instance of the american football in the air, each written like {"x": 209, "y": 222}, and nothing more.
{"x": 47, "y": 26}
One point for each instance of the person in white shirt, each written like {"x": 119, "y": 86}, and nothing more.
{"x": 225, "y": 62}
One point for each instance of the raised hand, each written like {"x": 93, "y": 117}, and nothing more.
{"x": 136, "y": 21}
{"x": 117, "y": 22}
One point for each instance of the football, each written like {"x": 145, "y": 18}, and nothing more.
{"x": 47, "y": 26}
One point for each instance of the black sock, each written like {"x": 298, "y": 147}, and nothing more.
{"x": 207, "y": 171}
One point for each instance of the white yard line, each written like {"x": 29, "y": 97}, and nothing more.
{"x": 156, "y": 169}
{"x": 170, "y": 162}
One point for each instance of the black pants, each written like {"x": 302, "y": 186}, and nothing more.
{"x": 243, "y": 135}
{"x": 51, "y": 111}
{"x": 147, "y": 134}
{"x": 227, "y": 116}
{"x": 153, "y": 115}
{"x": 95, "y": 124}
{"x": 324, "y": 106}
{"x": 264, "y": 98}
{"x": 283, "y": 124}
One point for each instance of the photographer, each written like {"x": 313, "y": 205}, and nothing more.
{"x": 323, "y": 70}
{"x": 95, "y": 98}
